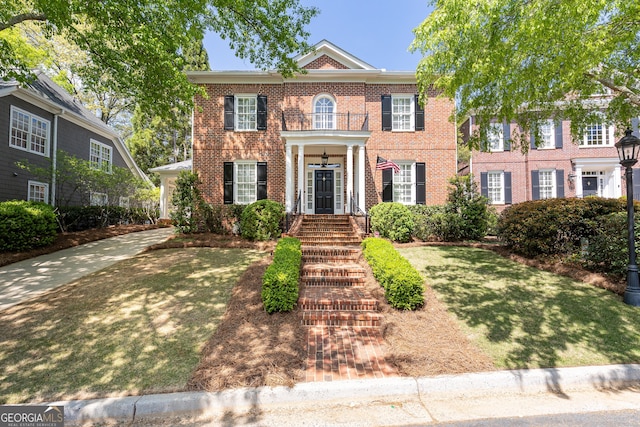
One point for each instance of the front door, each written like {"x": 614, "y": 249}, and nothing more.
{"x": 324, "y": 191}
{"x": 589, "y": 186}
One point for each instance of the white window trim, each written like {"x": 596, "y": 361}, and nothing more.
{"x": 110, "y": 160}
{"x": 31, "y": 117}
{"x": 552, "y": 141}
{"x": 236, "y": 116}
{"x": 94, "y": 202}
{"x": 316, "y": 114}
{"x": 124, "y": 202}
{"x": 235, "y": 181}
{"x": 412, "y": 184}
{"x": 495, "y": 130}
{"x": 412, "y": 112}
{"x": 501, "y": 200}
{"x": 554, "y": 184}
{"x": 38, "y": 183}
{"x": 607, "y": 134}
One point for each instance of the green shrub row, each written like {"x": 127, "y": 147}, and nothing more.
{"x": 607, "y": 250}
{"x": 78, "y": 218}
{"x": 553, "y": 226}
{"x": 262, "y": 220}
{"x": 26, "y": 225}
{"x": 280, "y": 280}
{"x": 403, "y": 285}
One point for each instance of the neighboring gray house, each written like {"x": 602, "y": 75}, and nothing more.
{"x": 168, "y": 175}
{"x": 37, "y": 120}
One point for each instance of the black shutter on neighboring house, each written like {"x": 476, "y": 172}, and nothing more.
{"x": 386, "y": 112}
{"x": 484, "y": 184}
{"x": 421, "y": 188}
{"x": 228, "y": 183}
{"x": 387, "y": 185}
{"x": 228, "y": 112}
{"x": 507, "y": 188}
{"x": 262, "y": 112}
{"x": 535, "y": 185}
{"x": 261, "y": 172}
{"x": 560, "y": 183}
{"x": 636, "y": 184}
{"x": 559, "y": 135}
{"x": 533, "y": 141}
{"x": 419, "y": 114}
{"x": 506, "y": 134}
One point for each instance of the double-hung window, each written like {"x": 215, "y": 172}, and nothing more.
{"x": 402, "y": 112}
{"x": 547, "y": 133}
{"x": 495, "y": 137}
{"x": 598, "y": 135}
{"x": 38, "y": 192}
{"x": 547, "y": 183}
{"x": 100, "y": 156}
{"x": 407, "y": 186}
{"x": 98, "y": 199}
{"x": 404, "y": 184}
{"x": 245, "y": 181}
{"x": 495, "y": 186}
{"x": 246, "y": 112}
{"x": 29, "y": 132}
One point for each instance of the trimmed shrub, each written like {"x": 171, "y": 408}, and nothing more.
{"x": 552, "y": 226}
{"x": 470, "y": 206}
{"x": 280, "y": 280}
{"x": 26, "y": 225}
{"x": 403, "y": 285}
{"x": 78, "y": 218}
{"x": 392, "y": 220}
{"x": 608, "y": 250}
{"x": 262, "y": 220}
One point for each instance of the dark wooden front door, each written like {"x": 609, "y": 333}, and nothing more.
{"x": 589, "y": 186}
{"x": 324, "y": 191}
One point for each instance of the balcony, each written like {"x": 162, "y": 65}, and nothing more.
{"x": 323, "y": 122}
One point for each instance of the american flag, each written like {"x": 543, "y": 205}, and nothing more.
{"x": 382, "y": 164}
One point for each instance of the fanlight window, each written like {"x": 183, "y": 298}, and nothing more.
{"x": 324, "y": 113}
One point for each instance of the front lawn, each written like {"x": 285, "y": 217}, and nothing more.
{"x": 527, "y": 318}
{"x": 136, "y": 327}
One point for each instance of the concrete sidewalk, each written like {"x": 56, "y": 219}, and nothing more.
{"x": 380, "y": 402}
{"x": 26, "y": 279}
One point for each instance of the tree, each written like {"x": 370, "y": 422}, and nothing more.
{"x": 532, "y": 60}
{"x": 140, "y": 44}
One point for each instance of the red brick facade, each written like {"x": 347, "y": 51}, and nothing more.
{"x": 356, "y": 94}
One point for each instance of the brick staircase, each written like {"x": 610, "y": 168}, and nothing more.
{"x": 344, "y": 338}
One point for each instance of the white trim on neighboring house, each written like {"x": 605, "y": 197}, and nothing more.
{"x": 167, "y": 174}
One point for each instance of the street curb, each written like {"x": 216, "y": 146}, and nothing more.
{"x": 534, "y": 381}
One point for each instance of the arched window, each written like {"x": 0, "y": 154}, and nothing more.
{"x": 324, "y": 110}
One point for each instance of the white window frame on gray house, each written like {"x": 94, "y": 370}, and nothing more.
{"x": 101, "y": 156}
{"x": 38, "y": 191}
{"x": 29, "y": 132}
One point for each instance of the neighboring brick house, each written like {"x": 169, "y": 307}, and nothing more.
{"x": 557, "y": 167}
{"x": 316, "y": 137}
{"x": 37, "y": 120}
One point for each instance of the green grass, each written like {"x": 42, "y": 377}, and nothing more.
{"x": 135, "y": 327}
{"x": 523, "y": 317}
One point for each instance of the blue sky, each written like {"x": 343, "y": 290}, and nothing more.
{"x": 378, "y": 32}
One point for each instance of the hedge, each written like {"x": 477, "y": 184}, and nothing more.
{"x": 280, "y": 280}
{"x": 262, "y": 220}
{"x": 403, "y": 285}
{"x": 26, "y": 225}
{"x": 392, "y": 220}
{"x": 79, "y": 218}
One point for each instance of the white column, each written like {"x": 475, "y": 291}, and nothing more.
{"x": 301, "y": 176}
{"x": 289, "y": 179}
{"x": 362, "y": 200}
{"x": 349, "y": 177}
{"x": 578, "y": 182}
{"x": 617, "y": 182}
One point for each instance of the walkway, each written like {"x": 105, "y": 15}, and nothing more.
{"x": 26, "y": 279}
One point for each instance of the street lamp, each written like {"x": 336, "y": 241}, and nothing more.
{"x": 628, "y": 148}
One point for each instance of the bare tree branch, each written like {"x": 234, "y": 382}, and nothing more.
{"x": 632, "y": 96}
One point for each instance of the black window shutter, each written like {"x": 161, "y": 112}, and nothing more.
{"x": 506, "y": 134}
{"x": 560, "y": 183}
{"x": 533, "y": 141}
{"x": 636, "y": 184}
{"x": 484, "y": 184}
{"x": 559, "y": 134}
{"x": 262, "y": 180}
{"x": 419, "y": 114}
{"x": 228, "y": 112}
{"x": 228, "y": 183}
{"x": 387, "y": 185}
{"x": 507, "y": 188}
{"x": 421, "y": 175}
{"x": 386, "y": 112}
{"x": 262, "y": 112}
{"x": 535, "y": 185}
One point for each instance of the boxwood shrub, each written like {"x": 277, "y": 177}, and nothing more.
{"x": 280, "y": 280}
{"x": 392, "y": 220}
{"x": 403, "y": 285}
{"x": 262, "y": 220}
{"x": 26, "y": 225}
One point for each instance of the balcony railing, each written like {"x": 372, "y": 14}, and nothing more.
{"x": 323, "y": 122}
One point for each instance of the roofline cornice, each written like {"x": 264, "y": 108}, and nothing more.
{"x": 312, "y": 76}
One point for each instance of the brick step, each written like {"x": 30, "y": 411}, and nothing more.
{"x": 329, "y": 259}
{"x": 339, "y": 282}
{"x": 340, "y": 318}
{"x": 332, "y": 270}
{"x": 344, "y": 251}
{"x": 325, "y": 229}
{"x": 324, "y": 241}
{"x": 337, "y": 299}
{"x": 329, "y": 233}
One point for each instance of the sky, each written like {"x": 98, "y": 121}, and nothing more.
{"x": 378, "y": 32}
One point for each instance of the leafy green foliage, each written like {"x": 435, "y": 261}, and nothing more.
{"x": 496, "y": 56}
{"x": 191, "y": 211}
{"x": 552, "y": 226}
{"x": 403, "y": 285}
{"x": 78, "y": 218}
{"x": 392, "y": 220}
{"x": 280, "y": 280}
{"x": 26, "y": 225}
{"x": 262, "y": 220}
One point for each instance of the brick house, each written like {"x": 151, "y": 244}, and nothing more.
{"x": 36, "y": 121}
{"x": 312, "y": 141}
{"x": 557, "y": 167}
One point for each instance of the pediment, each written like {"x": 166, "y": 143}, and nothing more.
{"x": 325, "y": 55}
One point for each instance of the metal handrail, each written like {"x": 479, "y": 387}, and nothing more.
{"x": 297, "y": 209}
{"x": 319, "y": 122}
{"x": 356, "y": 210}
